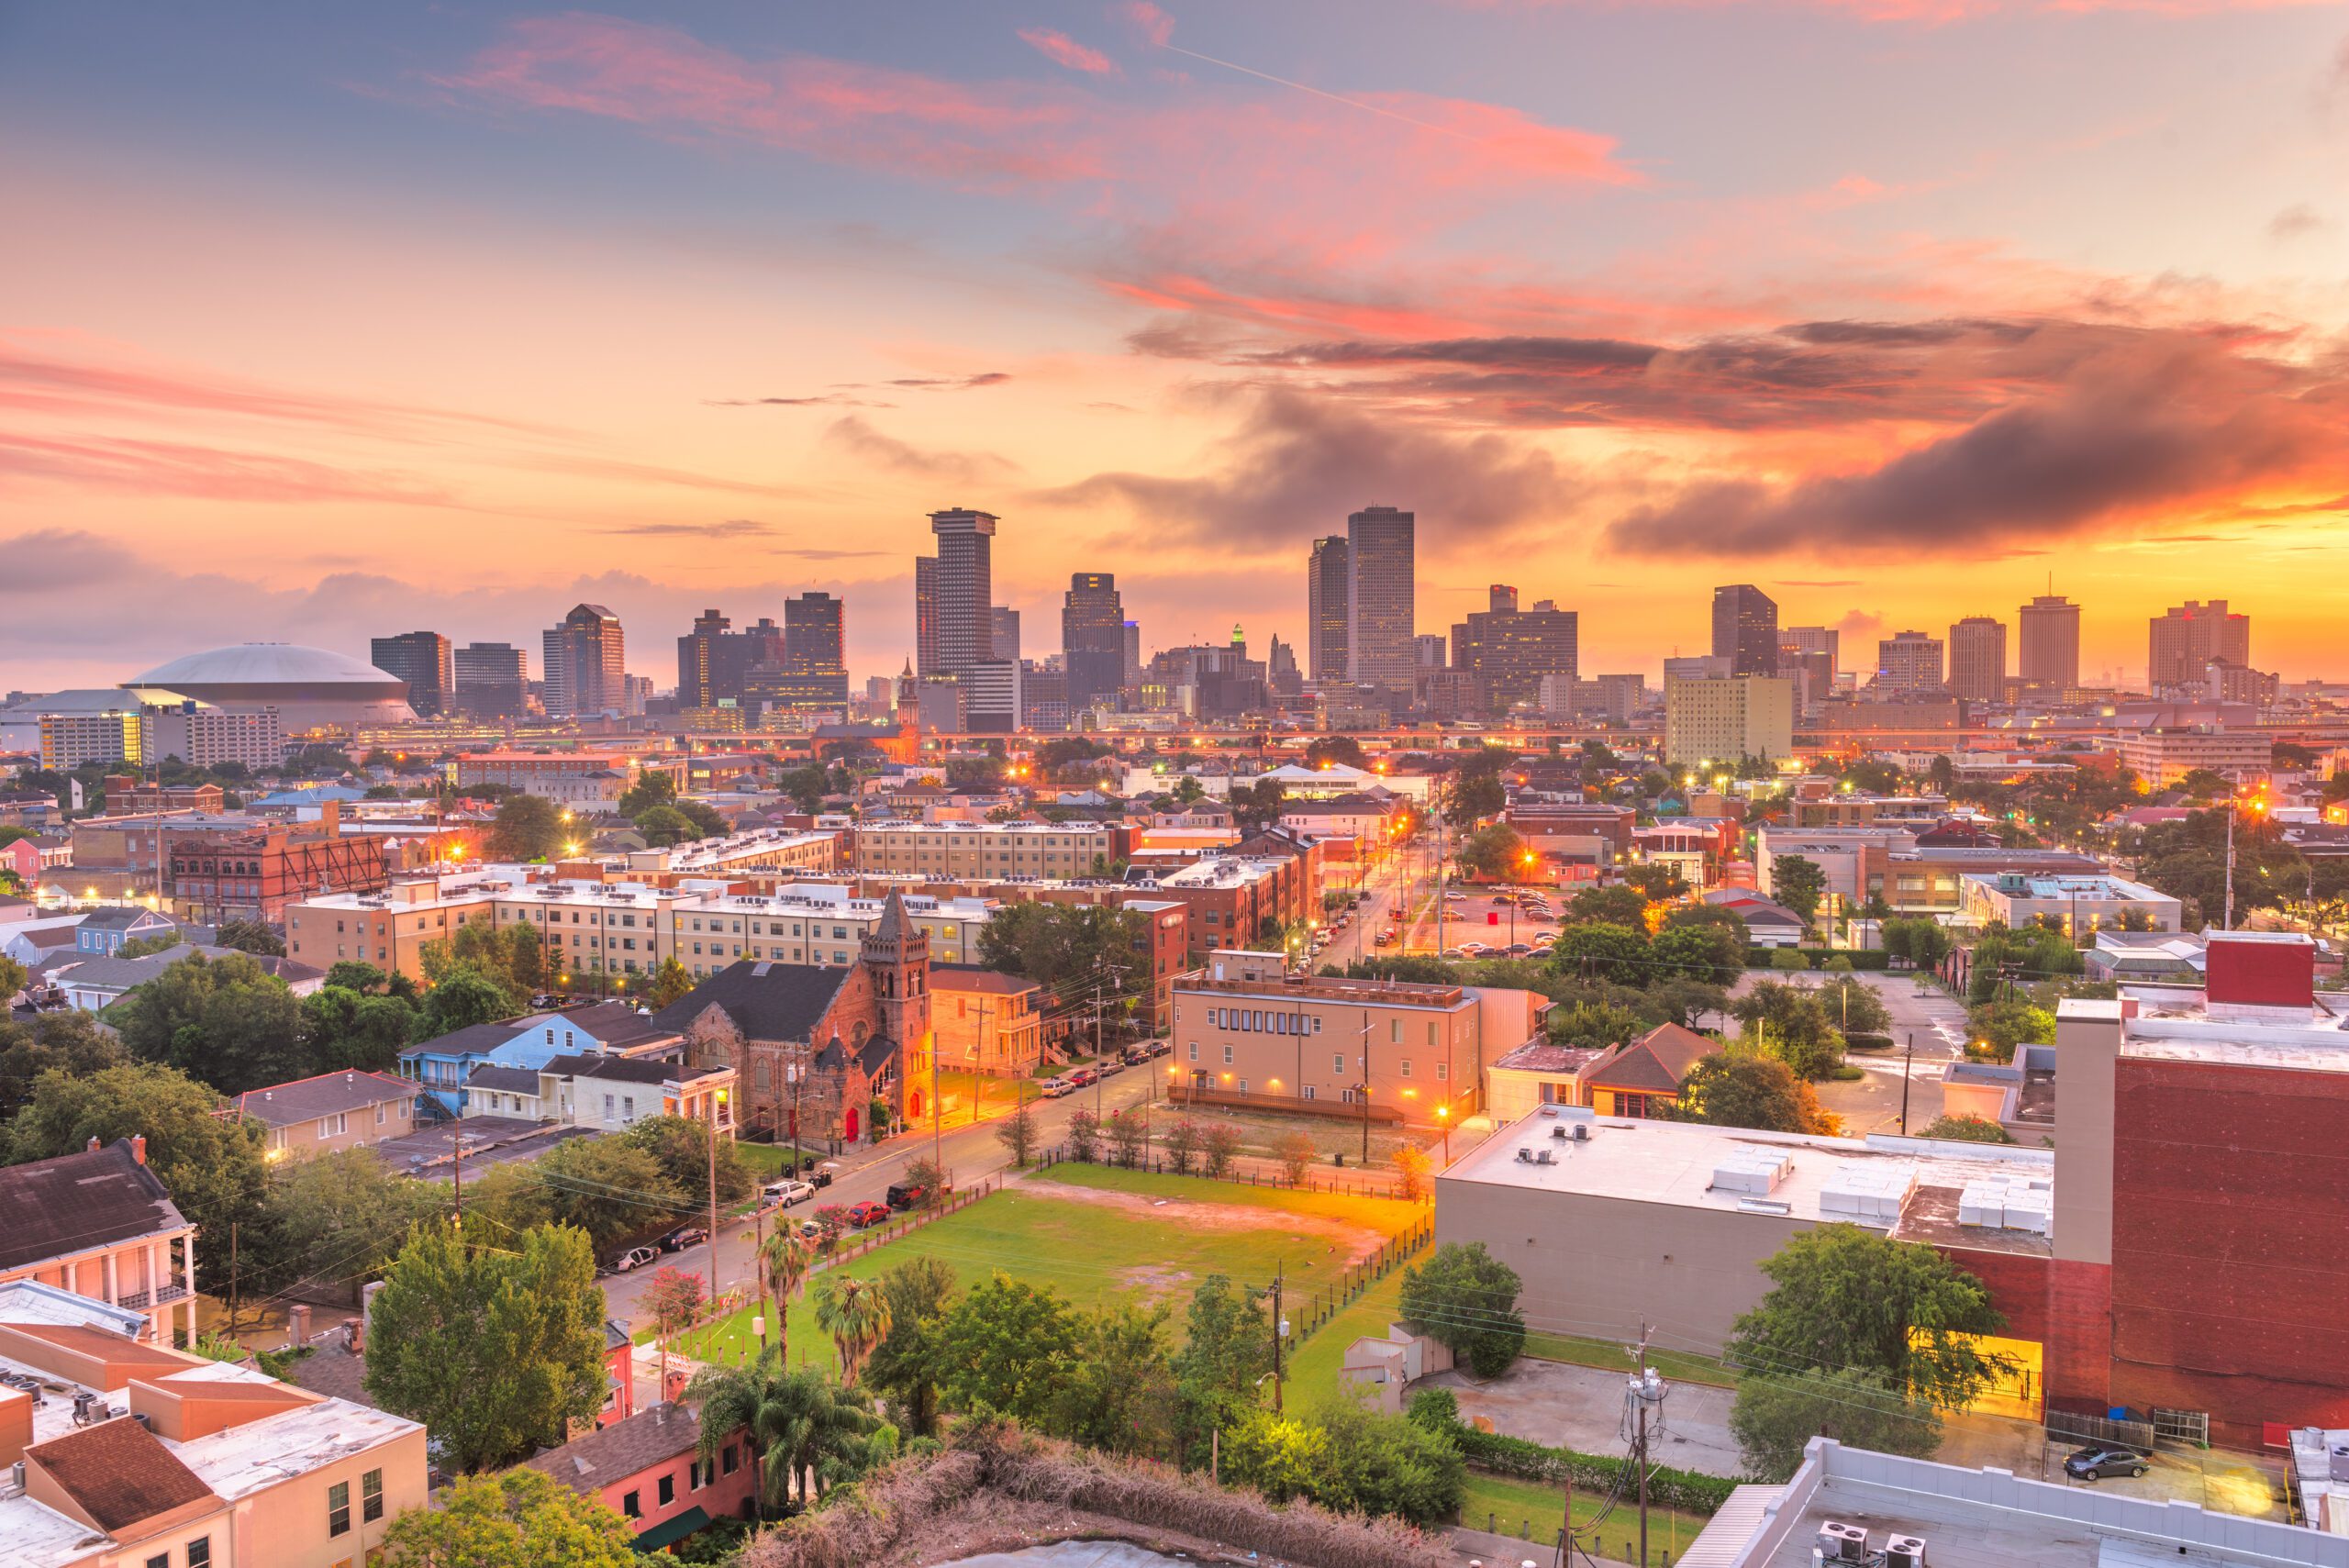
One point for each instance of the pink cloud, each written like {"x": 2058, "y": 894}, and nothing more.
{"x": 1149, "y": 20}
{"x": 1062, "y": 50}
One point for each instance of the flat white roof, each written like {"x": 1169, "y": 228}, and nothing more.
{"x": 2175, "y": 1023}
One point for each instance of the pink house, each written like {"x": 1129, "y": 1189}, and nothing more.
{"x": 646, "y": 1469}
{"x": 99, "y": 1224}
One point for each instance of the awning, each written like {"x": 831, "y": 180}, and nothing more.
{"x": 672, "y": 1530}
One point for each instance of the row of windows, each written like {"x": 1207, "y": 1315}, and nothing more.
{"x": 699, "y": 1475}
{"x": 1337, "y": 1065}
{"x": 371, "y": 1502}
{"x": 1257, "y": 1020}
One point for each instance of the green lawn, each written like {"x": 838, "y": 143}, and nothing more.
{"x": 1532, "y": 1512}
{"x": 1678, "y": 1366}
{"x": 1092, "y": 1253}
{"x": 768, "y": 1158}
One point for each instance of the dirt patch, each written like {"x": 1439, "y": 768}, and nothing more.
{"x": 1154, "y": 1283}
{"x": 1350, "y": 1242}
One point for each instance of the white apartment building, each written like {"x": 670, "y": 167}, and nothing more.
{"x": 1050, "y": 851}
{"x": 1724, "y": 719}
{"x": 813, "y": 923}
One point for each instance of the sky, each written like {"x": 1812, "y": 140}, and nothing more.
{"x": 324, "y": 322}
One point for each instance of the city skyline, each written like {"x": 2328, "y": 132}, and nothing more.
{"x": 1177, "y": 380}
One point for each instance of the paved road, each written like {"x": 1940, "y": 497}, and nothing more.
{"x": 1935, "y": 1020}
{"x": 969, "y": 1153}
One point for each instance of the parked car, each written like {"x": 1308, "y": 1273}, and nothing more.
{"x": 685, "y": 1236}
{"x": 908, "y": 1194}
{"x": 1078, "y": 1077}
{"x": 783, "y": 1194}
{"x": 867, "y": 1213}
{"x": 812, "y": 1229}
{"x": 2102, "y": 1460}
{"x": 1054, "y": 1089}
{"x": 634, "y": 1258}
{"x": 1112, "y": 1065}
{"x": 1517, "y": 950}
{"x": 1161, "y": 1047}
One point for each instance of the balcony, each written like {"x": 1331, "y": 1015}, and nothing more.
{"x": 138, "y": 1301}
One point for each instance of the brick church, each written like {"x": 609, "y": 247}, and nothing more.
{"x": 814, "y": 1046}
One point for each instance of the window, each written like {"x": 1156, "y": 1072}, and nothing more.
{"x": 371, "y": 1496}
{"x": 199, "y": 1553}
{"x": 1317, "y": 1024}
{"x": 334, "y": 1125}
{"x": 1393, "y": 1031}
{"x": 668, "y": 1490}
{"x": 1443, "y": 1071}
{"x": 730, "y": 1463}
{"x": 1433, "y": 1038}
{"x": 627, "y": 1107}
{"x": 163, "y": 1561}
{"x": 1407, "y": 1067}
{"x": 607, "y": 1107}
{"x": 1195, "y": 1050}
{"x": 1309, "y": 1091}
{"x": 1337, "y": 1063}
{"x": 339, "y": 1508}
{"x": 632, "y": 1504}
{"x": 1227, "y": 1056}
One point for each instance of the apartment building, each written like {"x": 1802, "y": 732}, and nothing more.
{"x": 586, "y": 928}
{"x": 387, "y": 928}
{"x": 1048, "y": 850}
{"x": 766, "y": 850}
{"x": 98, "y": 1224}
{"x": 565, "y": 776}
{"x": 1725, "y": 718}
{"x": 984, "y": 1021}
{"x": 2165, "y": 754}
{"x": 175, "y": 1459}
{"x": 814, "y": 923}
{"x": 1238, "y": 901}
{"x": 216, "y": 877}
{"x": 1249, "y": 1029}
{"x": 330, "y": 1112}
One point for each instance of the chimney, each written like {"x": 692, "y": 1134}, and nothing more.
{"x": 297, "y": 1326}
{"x": 139, "y": 1147}
{"x": 94, "y": 1145}
{"x": 367, "y": 1312}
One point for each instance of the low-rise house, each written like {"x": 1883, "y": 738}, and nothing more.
{"x": 99, "y": 1224}
{"x": 103, "y": 931}
{"x": 96, "y": 982}
{"x": 33, "y": 942}
{"x": 443, "y": 1067}
{"x": 985, "y": 1022}
{"x": 606, "y": 1093}
{"x": 647, "y": 1468}
{"x": 168, "y": 1458}
{"x": 1644, "y": 1077}
{"x": 331, "y": 1112}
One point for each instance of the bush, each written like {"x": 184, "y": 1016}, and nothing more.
{"x": 1526, "y": 1461}
{"x": 1763, "y": 958}
{"x": 1790, "y": 959}
{"x": 1847, "y": 1075}
{"x": 1867, "y": 1042}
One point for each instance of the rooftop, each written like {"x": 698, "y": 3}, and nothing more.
{"x": 2056, "y": 889}
{"x": 306, "y": 1100}
{"x": 1988, "y": 1197}
{"x": 80, "y": 1203}
{"x": 1223, "y": 871}
{"x": 984, "y": 829}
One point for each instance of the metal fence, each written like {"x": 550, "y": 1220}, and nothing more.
{"x": 2067, "y": 1426}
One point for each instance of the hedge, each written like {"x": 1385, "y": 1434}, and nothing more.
{"x": 1525, "y": 1461}
{"x": 1871, "y": 958}
{"x": 1856, "y": 1041}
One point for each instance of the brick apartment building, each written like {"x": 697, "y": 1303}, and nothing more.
{"x": 214, "y": 877}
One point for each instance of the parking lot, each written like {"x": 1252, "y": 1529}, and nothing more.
{"x": 2221, "y": 1483}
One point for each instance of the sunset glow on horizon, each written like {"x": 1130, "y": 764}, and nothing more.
{"x": 333, "y": 323}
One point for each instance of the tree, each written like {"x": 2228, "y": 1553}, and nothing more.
{"x": 1775, "y": 1416}
{"x": 1842, "y": 1297}
{"x": 1710, "y": 955}
{"x": 343, "y": 1028}
{"x": 69, "y": 1041}
{"x": 1007, "y": 1346}
{"x": 608, "y": 1187}
{"x": 672, "y": 1299}
{"x": 810, "y": 1431}
{"x": 782, "y": 1261}
{"x": 1118, "y": 1392}
{"x": 1494, "y": 853}
{"x": 1183, "y": 1142}
{"x": 210, "y": 1164}
{"x": 1920, "y": 940}
{"x": 1608, "y": 905}
{"x": 1017, "y": 1132}
{"x": 906, "y": 1365}
{"x": 1474, "y": 797}
{"x": 1227, "y": 1348}
{"x": 1656, "y": 884}
{"x": 1604, "y": 950}
{"x": 1799, "y": 884}
{"x": 1223, "y": 1146}
{"x": 1466, "y": 1300}
{"x": 1747, "y": 1089}
{"x": 1966, "y": 1130}
{"x": 225, "y": 1020}
{"x": 251, "y": 935}
{"x": 1790, "y": 1023}
{"x": 1083, "y": 1136}
{"x": 1856, "y": 1006}
{"x": 650, "y": 789}
{"x": 1350, "y": 1460}
{"x": 855, "y": 1313}
{"x": 462, "y": 998}
{"x": 1064, "y": 947}
{"x": 510, "y": 957}
{"x": 1129, "y": 1132}
{"x": 687, "y": 1150}
{"x": 1995, "y": 1030}
{"x": 1295, "y": 1151}
{"x": 670, "y": 984}
{"x": 337, "y": 1215}
{"x": 352, "y": 975}
{"x": 1411, "y": 1173}
{"x": 665, "y": 824}
{"x": 520, "y": 1518}
{"x": 526, "y": 828}
{"x": 497, "y": 1351}
{"x": 1341, "y": 749}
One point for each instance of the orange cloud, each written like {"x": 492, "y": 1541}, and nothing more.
{"x": 1062, "y": 50}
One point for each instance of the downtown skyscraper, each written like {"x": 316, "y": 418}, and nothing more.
{"x": 953, "y": 594}
{"x": 1977, "y": 659}
{"x": 1745, "y": 629}
{"x": 1381, "y": 598}
{"x": 2050, "y": 657}
{"x": 422, "y": 658}
{"x": 1093, "y": 638}
{"x": 586, "y": 671}
{"x": 1325, "y": 611}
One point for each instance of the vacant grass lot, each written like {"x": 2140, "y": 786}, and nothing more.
{"x": 1097, "y": 1235}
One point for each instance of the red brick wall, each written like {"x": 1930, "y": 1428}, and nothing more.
{"x": 2017, "y": 1282}
{"x": 2078, "y": 1346}
{"x": 2230, "y": 1242}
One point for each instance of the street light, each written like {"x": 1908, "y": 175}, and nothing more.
{"x": 1443, "y": 1120}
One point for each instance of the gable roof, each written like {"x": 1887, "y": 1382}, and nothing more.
{"x": 766, "y": 1000}
{"x": 53, "y": 1209}
{"x": 307, "y": 1099}
{"x": 1653, "y": 1063}
{"x": 978, "y": 977}
{"x": 119, "y": 1474}
{"x": 590, "y": 1461}
{"x": 122, "y": 918}
{"x": 617, "y": 1024}
{"x": 503, "y": 1080}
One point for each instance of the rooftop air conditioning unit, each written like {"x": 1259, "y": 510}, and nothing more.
{"x": 1581, "y": 1132}
{"x": 1524, "y": 1156}
{"x": 1904, "y": 1551}
{"x": 1839, "y": 1542}
{"x": 2337, "y": 1462}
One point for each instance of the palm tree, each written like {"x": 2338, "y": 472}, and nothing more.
{"x": 784, "y": 1259}
{"x": 810, "y": 1431}
{"x": 855, "y": 1313}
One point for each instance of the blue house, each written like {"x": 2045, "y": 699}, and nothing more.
{"x": 103, "y": 931}
{"x": 439, "y": 1067}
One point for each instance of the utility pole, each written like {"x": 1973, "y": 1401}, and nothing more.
{"x": 938, "y": 1108}
{"x": 1366, "y": 1088}
{"x": 2228, "y": 924}
{"x": 1908, "y": 1072}
{"x": 1280, "y": 1327}
{"x": 1647, "y": 1389}
{"x": 759, "y": 1273}
{"x": 717, "y": 1100}
{"x": 457, "y": 1164}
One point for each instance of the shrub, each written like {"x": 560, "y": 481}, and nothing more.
{"x": 1867, "y": 1042}
{"x": 1083, "y": 1136}
{"x": 1183, "y": 1142}
{"x": 1222, "y": 1147}
{"x": 1523, "y": 1460}
{"x": 1295, "y": 1151}
{"x": 1790, "y": 959}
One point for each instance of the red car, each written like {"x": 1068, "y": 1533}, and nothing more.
{"x": 868, "y": 1213}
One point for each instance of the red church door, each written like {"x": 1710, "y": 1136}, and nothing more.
{"x": 851, "y": 1124}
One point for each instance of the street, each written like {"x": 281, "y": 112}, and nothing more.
{"x": 1873, "y": 1104}
{"x": 967, "y": 1153}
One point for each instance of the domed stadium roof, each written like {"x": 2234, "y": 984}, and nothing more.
{"x": 265, "y": 664}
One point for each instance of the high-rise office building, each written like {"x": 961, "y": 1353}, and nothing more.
{"x": 1003, "y": 625}
{"x": 1280, "y": 670}
{"x": 698, "y": 680}
{"x": 1133, "y": 654}
{"x": 1093, "y": 638}
{"x": 2184, "y": 641}
{"x": 1803, "y": 640}
{"x": 961, "y": 587}
{"x": 1977, "y": 659}
{"x": 586, "y": 664}
{"x": 926, "y": 615}
{"x": 1509, "y": 650}
{"x": 992, "y": 696}
{"x": 2050, "y": 656}
{"x": 1325, "y": 611}
{"x": 1429, "y": 650}
{"x": 492, "y": 680}
{"x": 808, "y": 671}
{"x": 1745, "y": 629}
{"x": 1381, "y": 598}
{"x": 1908, "y": 665}
{"x": 423, "y": 660}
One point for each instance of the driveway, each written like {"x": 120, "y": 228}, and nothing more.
{"x": 1581, "y": 1407}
